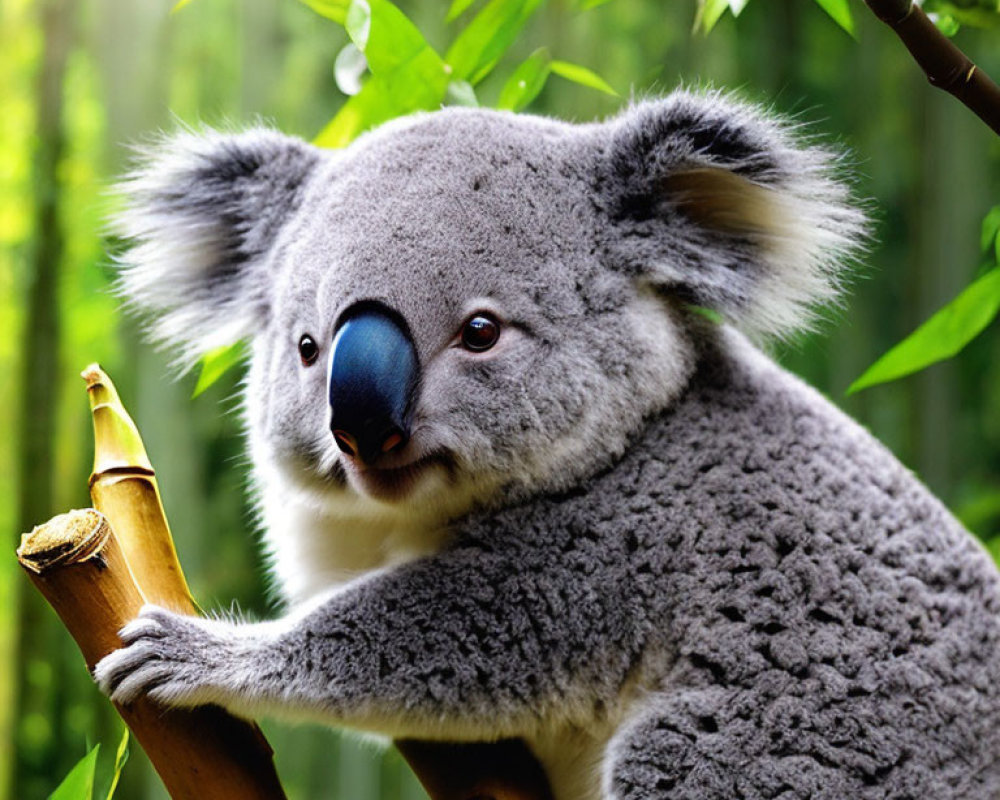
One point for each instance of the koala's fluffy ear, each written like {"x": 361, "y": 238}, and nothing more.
{"x": 202, "y": 213}
{"x": 716, "y": 203}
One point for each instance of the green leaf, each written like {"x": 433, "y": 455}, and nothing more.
{"x": 710, "y": 314}
{"x": 458, "y": 7}
{"x": 386, "y": 36}
{"x": 418, "y": 86}
{"x": 941, "y": 336}
{"x": 486, "y": 38}
{"x": 406, "y": 73}
{"x": 526, "y": 81}
{"x": 331, "y": 9}
{"x": 945, "y": 23}
{"x": 179, "y": 5}
{"x": 586, "y": 5}
{"x": 79, "y": 783}
{"x": 737, "y": 6}
{"x": 121, "y": 756}
{"x": 709, "y": 12}
{"x": 991, "y": 226}
{"x": 582, "y": 75}
{"x": 215, "y": 363}
{"x": 358, "y": 23}
{"x": 840, "y": 12}
{"x": 461, "y": 93}
{"x": 981, "y": 14}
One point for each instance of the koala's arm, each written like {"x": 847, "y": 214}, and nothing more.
{"x": 463, "y": 644}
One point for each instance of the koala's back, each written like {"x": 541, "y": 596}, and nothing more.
{"x": 825, "y": 616}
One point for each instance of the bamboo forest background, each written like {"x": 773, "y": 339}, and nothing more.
{"x": 80, "y": 80}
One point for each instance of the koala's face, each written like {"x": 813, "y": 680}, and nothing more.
{"x": 479, "y": 235}
{"x": 470, "y": 305}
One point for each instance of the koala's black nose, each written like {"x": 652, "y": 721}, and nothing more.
{"x": 372, "y": 379}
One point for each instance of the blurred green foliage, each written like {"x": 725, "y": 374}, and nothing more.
{"x": 930, "y": 168}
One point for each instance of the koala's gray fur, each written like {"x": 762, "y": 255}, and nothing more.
{"x": 623, "y": 533}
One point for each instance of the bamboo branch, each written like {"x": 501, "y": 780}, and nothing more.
{"x": 76, "y": 562}
{"x": 97, "y": 581}
{"x": 946, "y": 66}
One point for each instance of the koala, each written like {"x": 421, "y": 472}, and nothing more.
{"x": 522, "y": 473}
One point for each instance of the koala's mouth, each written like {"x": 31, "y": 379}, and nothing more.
{"x": 392, "y": 484}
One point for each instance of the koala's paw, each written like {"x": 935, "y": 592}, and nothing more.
{"x": 173, "y": 658}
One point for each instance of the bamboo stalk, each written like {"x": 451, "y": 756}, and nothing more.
{"x": 78, "y": 565}
{"x": 123, "y": 487}
{"x": 946, "y": 66}
{"x": 97, "y": 581}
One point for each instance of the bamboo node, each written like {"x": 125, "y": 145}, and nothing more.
{"x": 70, "y": 538}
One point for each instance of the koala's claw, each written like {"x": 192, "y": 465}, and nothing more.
{"x": 165, "y": 655}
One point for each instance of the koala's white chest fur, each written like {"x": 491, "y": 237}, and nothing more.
{"x": 574, "y": 761}
{"x": 315, "y": 549}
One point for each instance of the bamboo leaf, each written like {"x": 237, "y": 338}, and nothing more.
{"x": 582, "y": 75}
{"x": 709, "y": 12}
{"x": 421, "y": 86}
{"x": 331, "y": 9}
{"x": 461, "y": 93}
{"x": 982, "y": 14}
{"x": 991, "y": 226}
{"x": 386, "y": 36}
{"x": 526, "y": 81}
{"x": 840, "y": 12}
{"x": 486, "y": 38}
{"x": 121, "y": 756}
{"x": 358, "y": 23}
{"x": 215, "y": 363}
{"x": 945, "y": 23}
{"x": 79, "y": 783}
{"x": 941, "y": 336}
{"x": 406, "y": 73}
{"x": 458, "y": 7}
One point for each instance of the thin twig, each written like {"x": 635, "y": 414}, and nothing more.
{"x": 946, "y": 66}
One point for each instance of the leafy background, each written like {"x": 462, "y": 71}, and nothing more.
{"x": 129, "y": 69}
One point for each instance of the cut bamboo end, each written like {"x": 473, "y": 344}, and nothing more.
{"x": 75, "y": 561}
{"x": 66, "y": 539}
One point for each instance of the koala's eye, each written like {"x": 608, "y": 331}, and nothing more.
{"x": 308, "y": 350}
{"x": 480, "y": 332}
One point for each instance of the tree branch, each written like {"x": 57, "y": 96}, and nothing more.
{"x": 504, "y": 770}
{"x": 946, "y": 66}
{"x": 75, "y": 561}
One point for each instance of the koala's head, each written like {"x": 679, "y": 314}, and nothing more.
{"x": 472, "y": 304}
